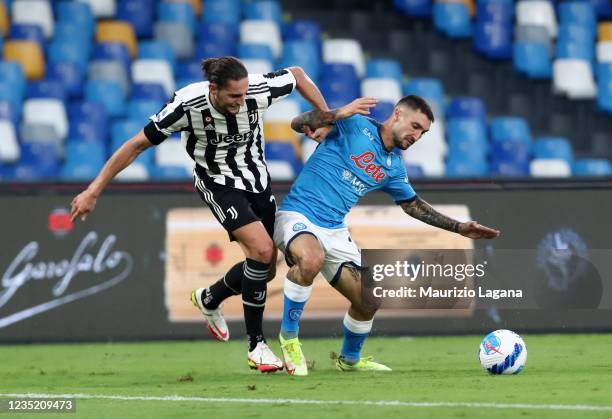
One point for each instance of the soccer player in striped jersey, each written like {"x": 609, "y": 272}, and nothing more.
{"x": 221, "y": 127}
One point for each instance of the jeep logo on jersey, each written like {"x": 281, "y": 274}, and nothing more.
{"x": 364, "y": 162}
{"x": 232, "y": 138}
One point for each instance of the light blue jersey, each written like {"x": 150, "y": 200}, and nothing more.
{"x": 348, "y": 164}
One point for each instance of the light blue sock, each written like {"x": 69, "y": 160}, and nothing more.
{"x": 295, "y": 299}
{"x": 355, "y": 334}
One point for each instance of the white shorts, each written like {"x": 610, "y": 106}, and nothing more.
{"x": 337, "y": 244}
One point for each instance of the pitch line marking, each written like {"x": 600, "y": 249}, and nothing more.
{"x": 384, "y": 403}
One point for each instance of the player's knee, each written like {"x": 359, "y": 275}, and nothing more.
{"x": 263, "y": 251}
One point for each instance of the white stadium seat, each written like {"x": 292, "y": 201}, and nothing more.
{"x": 178, "y": 35}
{"x": 384, "y": 89}
{"x": 9, "y": 146}
{"x": 604, "y": 52}
{"x": 280, "y": 171}
{"x": 172, "y": 153}
{"x": 46, "y": 112}
{"x": 574, "y": 78}
{"x": 283, "y": 111}
{"x": 549, "y": 168}
{"x": 262, "y": 32}
{"x": 102, "y": 8}
{"x": 257, "y": 66}
{"x": 135, "y": 172}
{"x": 34, "y": 12}
{"x": 537, "y": 13}
{"x": 347, "y": 51}
{"x": 154, "y": 71}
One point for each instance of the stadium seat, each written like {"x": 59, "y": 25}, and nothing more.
{"x": 141, "y": 110}
{"x": 153, "y": 91}
{"x": 39, "y": 162}
{"x": 112, "y": 70}
{"x": 263, "y": 10}
{"x": 344, "y": 51}
{"x": 384, "y": 67}
{"x": 255, "y": 51}
{"x": 36, "y": 12}
{"x": 113, "y": 51}
{"x": 262, "y": 32}
{"x": 604, "y": 52}
{"x": 510, "y": 128}
{"x": 452, "y": 19}
{"x": 604, "y": 31}
{"x": 432, "y": 163}
{"x": 46, "y": 112}
{"x": 462, "y": 168}
{"x": 78, "y": 12}
{"x": 549, "y": 168}
{"x": 465, "y": 106}
{"x": 117, "y": 31}
{"x": 510, "y": 151}
{"x": 135, "y": 172}
{"x": 93, "y": 113}
{"x": 207, "y": 49}
{"x": 171, "y": 173}
{"x": 68, "y": 75}
{"x": 123, "y": 130}
{"x": 8, "y": 112}
{"x": 154, "y": 71}
{"x": 509, "y": 168}
{"x": 532, "y": 33}
{"x": 414, "y": 8}
{"x": 339, "y": 84}
{"x": 495, "y": 10}
{"x": 108, "y": 93}
{"x": 29, "y": 55}
{"x": 139, "y": 14}
{"x": 579, "y": 12}
{"x": 604, "y": 83}
{"x": 11, "y": 74}
{"x": 4, "y": 20}
{"x": 430, "y": 89}
{"x": 219, "y": 32}
{"x": 177, "y": 12}
{"x": 158, "y": 49}
{"x": 257, "y": 66}
{"x": 572, "y": 49}
{"x": 83, "y": 161}
{"x": 11, "y": 96}
{"x": 37, "y": 132}
{"x": 105, "y": 9}
{"x": 538, "y": 13}
{"x": 467, "y": 135}
{"x": 592, "y": 167}
{"x": 283, "y": 152}
{"x": 27, "y": 32}
{"x": 46, "y": 89}
{"x": 9, "y": 146}
{"x": 178, "y": 36}
{"x": 304, "y": 54}
{"x": 553, "y": 148}
{"x": 303, "y": 30}
{"x": 74, "y": 31}
{"x": 382, "y": 111}
{"x": 493, "y": 39}
{"x": 603, "y": 8}
{"x": 575, "y": 32}
{"x": 574, "y": 78}
{"x": 172, "y": 153}
{"x": 73, "y": 51}
{"x": 223, "y": 11}
{"x": 384, "y": 89}
{"x": 532, "y": 59}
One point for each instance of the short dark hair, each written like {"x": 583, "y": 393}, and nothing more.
{"x": 417, "y": 103}
{"x": 222, "y": 69}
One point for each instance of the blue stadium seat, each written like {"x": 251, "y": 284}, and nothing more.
{"x": 177, "y": 12}
{"x": 218, "y": 32}
{"x": 226, "y": 11}
{"x": 580, "y": 12}
{"x": 414, "y": 8}
{"x": 140, "y": 13}
{"x": 510, "y": 128}
{"x": 339, "y": 84}
{"x": 509, "y": 169}
{"x": 553, "y": 148}
{"x": 112, "y": 51}
{"x": 151, "y": 91}
{"x": 283, "y": 151}
{"x": 171, "y": 173}
{"x": 255, "y": 51}
{"x": 69, "y": 50}
{"x": 83, "y": 161}
{"x": 415, "y": 171}
{"x": 123, "y": 131}
{"x": 463, "y": 168}
{"x": 11, "y": 74}
{"x": 79, "y": 12}
{"x": 68, "y": 30}
{"x": 303, "y": 30}
{"x": 382, "y": 111}
{"x": 467, "y": 135}
{"x": 207, "y": 48}
{"x": 385, "y": 67}
{"x": 510, "y": 151}
{"x": 604, "y": 86}
{"x": 304, "y": 54}
{"x": 452, "y": 19}
{"x": 108, "y": 93}
{"x": 88, "y": 120}
{"x": 46, "y": 89}
{"x": 8, "y": 112}
{"x": 495, "y": 10}
{"x": 603, "y": 8}
{"x": 532, "y": 59}
{"x": 28, "y": 32}
{"x": 42, "y": 157}
{"x": 493, "y": 39}
{"x": 263, "y": 10}
{"x": 141, "y": 110}
{"x": 592, "y": 167}
{"x": 10, "y": 95}
{"x": 69, "y": 75}
{"x": 576, "y": 32}
{"x": 467, "y": 106}
{"x": 428, "y": 88}
{"x": 576, "y": 49}
{"x": 157, "y": 50}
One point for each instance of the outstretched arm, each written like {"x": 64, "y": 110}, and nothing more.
{"x": 309, "y": 122}
{"x": 85, "y": 202}
{"x": 421, "y": 210}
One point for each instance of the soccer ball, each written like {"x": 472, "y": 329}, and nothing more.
{"x": 503, "y": 352}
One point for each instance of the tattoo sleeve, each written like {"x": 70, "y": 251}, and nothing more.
{"x": 421, "y": 210}
{"x": 314, "y": 119}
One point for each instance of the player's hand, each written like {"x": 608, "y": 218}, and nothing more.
{"x": 473, "y": 230}
{"x": 359, "y": 106}
{"x": 319, "y": 134}
{"x": 82, "y": 205}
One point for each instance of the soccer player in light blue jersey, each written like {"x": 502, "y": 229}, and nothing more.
{"x": 355, "y": 156}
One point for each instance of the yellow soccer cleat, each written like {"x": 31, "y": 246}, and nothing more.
{"x": 295, "y": 363}
{"x": 364, "y": 364}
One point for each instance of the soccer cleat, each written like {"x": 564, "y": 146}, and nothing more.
{"x": 263, "y": 359}
{"x": 216, "y": 323}
{"x": 295, "y": 363}
{"x": 364, "y": 364}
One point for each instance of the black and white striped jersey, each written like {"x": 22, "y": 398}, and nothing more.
{"x": 227, "y": 149}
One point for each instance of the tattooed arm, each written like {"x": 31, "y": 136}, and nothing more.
{"x": 421, "y": 210}
{"x": 316, "y": 123}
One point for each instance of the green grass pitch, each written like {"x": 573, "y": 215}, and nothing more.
{"x": 561, "y": 370}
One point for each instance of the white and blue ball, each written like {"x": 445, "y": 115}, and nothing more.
{"x": 503, "y": 352}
